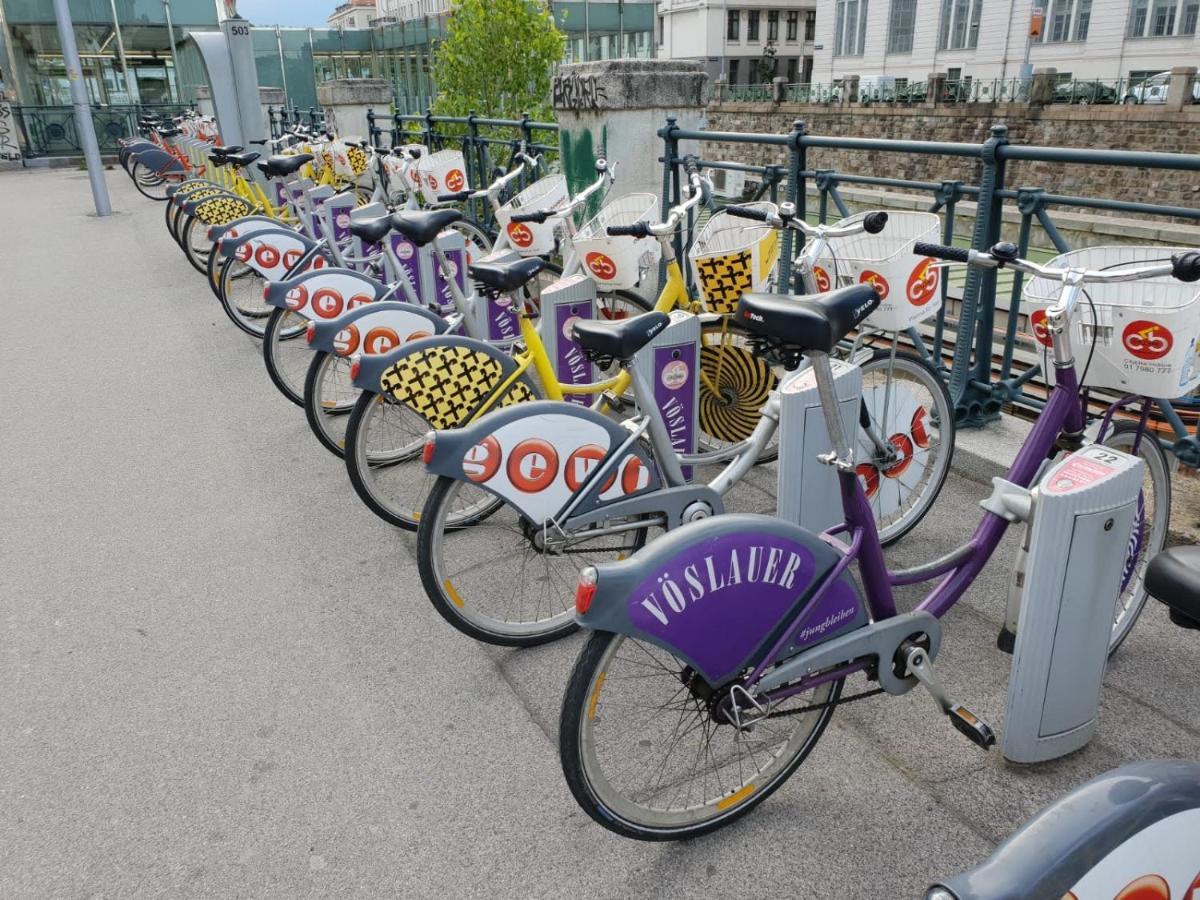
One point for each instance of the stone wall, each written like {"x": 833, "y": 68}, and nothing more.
{"x": 1111, "y": 127}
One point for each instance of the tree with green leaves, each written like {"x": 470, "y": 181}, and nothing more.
{"x": 497, "y": 59}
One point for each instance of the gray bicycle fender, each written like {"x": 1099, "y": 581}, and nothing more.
{"x": 176, "y": 192}
{"x": 355, "y": 331}
{"x": 1133, "y": 824}
{"x": 243, "y": 226}
{"x": 537, "y": 456}
{"x": 158, "y": 161}
{"x": 325, "y": 293}
{"x": 271, "y": 252}
{"x": 720, "y": 593}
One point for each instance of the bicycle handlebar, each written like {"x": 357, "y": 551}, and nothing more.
{"x": 537, "y": 215}
{"x": 637, "y": 230}
{"x": 871, "y": 223}
{"x": 1183, "y": 266}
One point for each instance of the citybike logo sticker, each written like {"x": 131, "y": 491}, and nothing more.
{"x": 243, "y": 252}
{"x": 875, "y": 280}
{"x": 404, "y": 250}
{"x": 267, "y": 256}
{"x": 580, "y": 465}
{"x": 291, "y": 258}
{"x": 532, "y": 465}
{"x": 822, "y": 279}
{"x": 520, "y": 234}
{"x": 342, "y": 221}
{"x": 922, "y": 283}
{"x": 318, "y": 263}
{"x": 328, "y": 303}
{"x": 869, "y": 475}
{"x": 482, "y": 461}
{"x": 1147, "y": 340}
{"x": 296, "y": 297}
{"x": 601, "y": 266}
{"x": 674, "y": 374}
{"x": 455, "y": 180}
{"x": 568, "y": 328}
{"x": 903, "y": 446}
{"x": 380, "y": 340}
{"x": 1041, "y": 328}
{"x": 358, "y": 300}
{"x": 433, "y": 182}
{"x": 345, "y": 341}
{"x": 920, "y": 428}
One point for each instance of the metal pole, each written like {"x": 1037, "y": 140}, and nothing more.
{"x": 83, "y": 113}
{"x": 174, "y": 61}
{"x": 282, "y": 69}
{"x": 130, "y": 87}
{"x": 587, "y": 33}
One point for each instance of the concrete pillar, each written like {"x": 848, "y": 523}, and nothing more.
{"x": 1041, "y": 90}
{"x": 346, "y": 101}
{"x": 619, "y": 105}
{"x": 1180, "y": 88}
{"x": 849, "y": 89}
{"x": 935, "y": 87}
{"x": 778, "y": 83}
{"x": 10, "y": 147}
{"x": 204, "y": 100}
{"x": 269, "y": 96}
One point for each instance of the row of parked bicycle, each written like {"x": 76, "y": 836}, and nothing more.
{"x": 516, "y": 401}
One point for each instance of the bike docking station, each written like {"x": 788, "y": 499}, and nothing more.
{"x": 808, "y": 490}
{"x": 670, "y": 363}
{"x": 563, "y": 303}
{"x": 1066, "y": 582}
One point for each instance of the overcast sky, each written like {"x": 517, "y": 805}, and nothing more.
{"x": 286, "y": 12}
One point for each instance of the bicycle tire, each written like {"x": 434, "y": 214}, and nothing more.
{"x": 152, "y": 184}
{"x": 286, "y": 327}
{"x": 195, "y": 243}
{"x": 328, "y": 418}
{"x": 253, "y": 319}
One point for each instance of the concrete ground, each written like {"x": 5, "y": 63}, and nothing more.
{"x": 221, "y": 678}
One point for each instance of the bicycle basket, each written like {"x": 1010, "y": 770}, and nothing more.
{"x": 533, "y": 238}
{"x": 618, "y": 262}
{"x": 444, "y": 172}
{"x": 347, "y": 162}
{"x": 1142, "y": 336}
{"x": 908, "y": 286}
{"x": 730, "y": 258}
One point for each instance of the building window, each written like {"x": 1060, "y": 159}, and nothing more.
{"x": 1163, "y": 18}
{"x": 960, "y": 25}
{"x": 849, "y": 27}
{"x": 810, "y": 25}
{"x": 793, "y": 65}
{"x": 1191, "y": 12}
{"x": 733, "y": 71}
{"x": 773, "y": 25}
{"x": 752, "y": 25}
{"x": 793, "y": 24}
{"x": 900, "y": 27}
{"x": 660, "y": 31}
{"x": 732, "y": 25}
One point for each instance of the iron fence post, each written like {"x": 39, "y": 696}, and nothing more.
{"x": 973, "y": 405}
{"x": 474, "y": 157}
{"x": 429, "y": 128}
{"x": 947, "y": 197}
{"x": 372, "y": 131}
{"x": 796, "y": 194}
{"x": 670, "y": 152}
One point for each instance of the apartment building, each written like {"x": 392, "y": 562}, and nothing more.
{"x": 984, "y": 41}
{"x": 740, "y": 41}
{"x": 352, "y": 14}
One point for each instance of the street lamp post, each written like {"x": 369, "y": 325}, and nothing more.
{"x": 83, "y": 112}
{"x": 174, "y": 60}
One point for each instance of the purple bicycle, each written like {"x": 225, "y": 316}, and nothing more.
{"x": 721, "y": 649}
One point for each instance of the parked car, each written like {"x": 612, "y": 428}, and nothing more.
{"x": 1084, "y": 92}
{"x": 1154, "y": 90}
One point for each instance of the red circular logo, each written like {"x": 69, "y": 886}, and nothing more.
{"x": 345, "y": 341}
{"x": 875, "y": 280}
{"x": 243, "y": 252}
{"x": 870, "y": 478}
{"x": 380, "y": 340}
{"x": 417, "y": 335}
{"x": 1041, "y": 330}
{"x": 920, "y": 428}
{"x": 455, "y": 180}
{"x": 327, "y": 303}
{"x": 291, "y": 258}
{"x": 267, "y": 256}
{"x": 822, "y": 279}
{"x": 635, "y": 477}
{"x": 318, "y": 263}
{"x": 532, "y": 465}
{"x": 296, "y": 297}
{"x": 601, "y": 266}
{"x": 433, "y": 182}
{"x": 922, "y": 283}
{"x": 904, "y": 449}
{"x": 580, "y": 465}
{"x": 1147, "y": 340}
{"x": 482, "y": 460}
{"x": 519, "y": 234}
{"x": 358, "y": 300}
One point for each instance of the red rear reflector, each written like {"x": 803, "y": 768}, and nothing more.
{"x": 428, "y": 449}
{"x": 266, "y": 290}
{"x": 355, "y": 368}
{"x": 310, "y": 332}
{"x": 585, "y": 591}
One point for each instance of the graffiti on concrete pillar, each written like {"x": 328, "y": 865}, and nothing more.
{"x": 10, "y": 149}
{"x": 578, "y": 92}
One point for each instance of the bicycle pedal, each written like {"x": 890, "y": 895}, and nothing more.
{"x": 979, "y": 731}
{"x": 1006, "y": 641}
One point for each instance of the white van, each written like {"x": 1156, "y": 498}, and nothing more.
{"x": 1154, "y": 90}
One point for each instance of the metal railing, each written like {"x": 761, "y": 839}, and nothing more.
{"x": 50, "y": 130}
{"x": 974, "y": 348}
{"x": 283, "y": 118}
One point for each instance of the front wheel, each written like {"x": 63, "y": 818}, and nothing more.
{"x": 329, "y": 398}
{"x": 649, "y": 754}
{"x": 1150, "y": 523}
{"x": 241, "y": 293}
{"x": 286, "y": 355}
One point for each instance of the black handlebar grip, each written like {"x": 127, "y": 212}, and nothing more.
{"x": 941, "y": 251}
{"x": 689, "y": 166}
{"x": 1186, "y": 265}
{"x": 453, "y": 198}
{"x": 748, "y": 212}
{"x": 874, "y": 222}
{"x": 539, "y": 216}
{"x": 637, "y": 229}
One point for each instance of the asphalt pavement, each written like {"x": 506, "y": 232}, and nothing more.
{"x": 220, "y": 676}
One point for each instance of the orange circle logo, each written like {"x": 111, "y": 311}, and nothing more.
{"x": 532, "y": 465}
{"x": 380, "y": 340}
{"x": 1041, "y": 329}
{"x": 821, "y": 277}
{"x": 601, "y": 266}
{"x": 327, "y": 303}
{"x": 875, "y": 280}
{"x": 482, "y": 460}
{"x": 358, "y": 300}
{"x": 869, "y": 477}
{"x": 455, "y": 180}
{"x": 243, "y": 252}
{"x": 291, "y": 258}
{"x": 922, "y": 283}
{"x": 418, "y": 335}
{"x": 433, "y": 182}
{"x": 581, "y": 463}
{"x": 318, "y": 263}
{"x": 267, "y": 256}
{"x": 635, "y": 477}
{"x": 920, "y": 428}
{"x": 1147, "y": 340}
{"x": 345, "y": 341}
{"x": 904, "y": 448}
{"x": 519, "y": 234}
{"x": 296, "y": 297}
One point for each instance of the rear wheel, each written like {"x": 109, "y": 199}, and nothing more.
{"x": 649, "y": 752}
{"x": 286, "y": 354}
{"x": 329, "y": 398}
{"x": 153, "y": 184}
{"x": 241, "y": 295}
{"x": 195, "y": 243}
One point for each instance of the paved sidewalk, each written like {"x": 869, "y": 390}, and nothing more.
{"x": 221, "y": 678}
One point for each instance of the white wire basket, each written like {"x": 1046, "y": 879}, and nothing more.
{"x": 1141, "y": 337}
{"x": 909, "y": 287}
{"x": 731, "y": 257}
{"x": 533, "y": 238}
{"x": 618, "y": 262}
{"x": 443, "y": 172}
